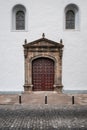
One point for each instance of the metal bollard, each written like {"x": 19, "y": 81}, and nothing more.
{"x": 73, "y": 100}
{"x": 20, "y": 99}
{"x": 45, "y": 99}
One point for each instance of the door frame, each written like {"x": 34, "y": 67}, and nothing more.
{"x": 43, "y": 47}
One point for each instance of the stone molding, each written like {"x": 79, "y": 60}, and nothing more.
{"x": 43, "y": 47}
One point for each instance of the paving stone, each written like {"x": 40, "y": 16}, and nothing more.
{"x": 43, "y": 117}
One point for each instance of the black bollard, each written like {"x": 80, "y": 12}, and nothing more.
{"x": 73, "y": 100}
{"x": 45, "y": 99}
{"x": 19, "y": 99}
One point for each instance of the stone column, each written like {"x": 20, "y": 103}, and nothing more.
{"x": 58, "y": 84}
{"x": 27, "y": 85}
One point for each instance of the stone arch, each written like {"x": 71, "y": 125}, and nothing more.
{"x": 44, "y": 56}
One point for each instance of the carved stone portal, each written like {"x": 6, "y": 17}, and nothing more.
{"x": 43, "y": 65}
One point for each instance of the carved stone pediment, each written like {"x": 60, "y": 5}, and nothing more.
{"x": 43, "y": 42}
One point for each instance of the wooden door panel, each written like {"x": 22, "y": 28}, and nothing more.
{"x": 43, "y": 74}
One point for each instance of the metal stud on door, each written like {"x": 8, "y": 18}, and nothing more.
{"x": 43, "y": 74}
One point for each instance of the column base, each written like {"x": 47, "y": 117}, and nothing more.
{"x": 58, "y": 88}
{"x": 28, "y": 88}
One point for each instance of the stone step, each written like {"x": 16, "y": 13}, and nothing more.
{"x": 39, "y": 98}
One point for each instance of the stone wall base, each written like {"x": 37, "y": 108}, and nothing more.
{"x": 58, "y": 88}
{"x": 29, "y": 88}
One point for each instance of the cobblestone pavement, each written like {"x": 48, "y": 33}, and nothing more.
{"x": 43, "y": 117}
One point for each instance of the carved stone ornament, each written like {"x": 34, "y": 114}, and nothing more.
{"x": 43, "y": 65}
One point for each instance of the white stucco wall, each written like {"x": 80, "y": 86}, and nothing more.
{"x": 43, "y": 16}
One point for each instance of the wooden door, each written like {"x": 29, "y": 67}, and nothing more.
{"x": 43, "y": 74}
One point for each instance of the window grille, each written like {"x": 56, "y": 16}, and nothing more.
{"x": 20, "y": 20}
{"x": 70, "y": 20}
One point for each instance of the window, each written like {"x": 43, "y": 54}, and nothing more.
{"x": 19, "y": 18}
{"x": 70, "y": 20}
{"x": 71, "y": 17}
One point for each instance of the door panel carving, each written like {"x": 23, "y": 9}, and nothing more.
{"x": 43, "y": 74}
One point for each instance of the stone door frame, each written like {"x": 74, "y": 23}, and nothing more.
{"x": 47, "y": 49}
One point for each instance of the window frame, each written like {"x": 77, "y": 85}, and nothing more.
{"x": 75, "y": 9}
{"x": 15, "y": 9}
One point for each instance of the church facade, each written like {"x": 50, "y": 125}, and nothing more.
{"x": 43, "y": 45}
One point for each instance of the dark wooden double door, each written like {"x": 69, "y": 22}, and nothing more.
{"x": 43, "y": 74}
